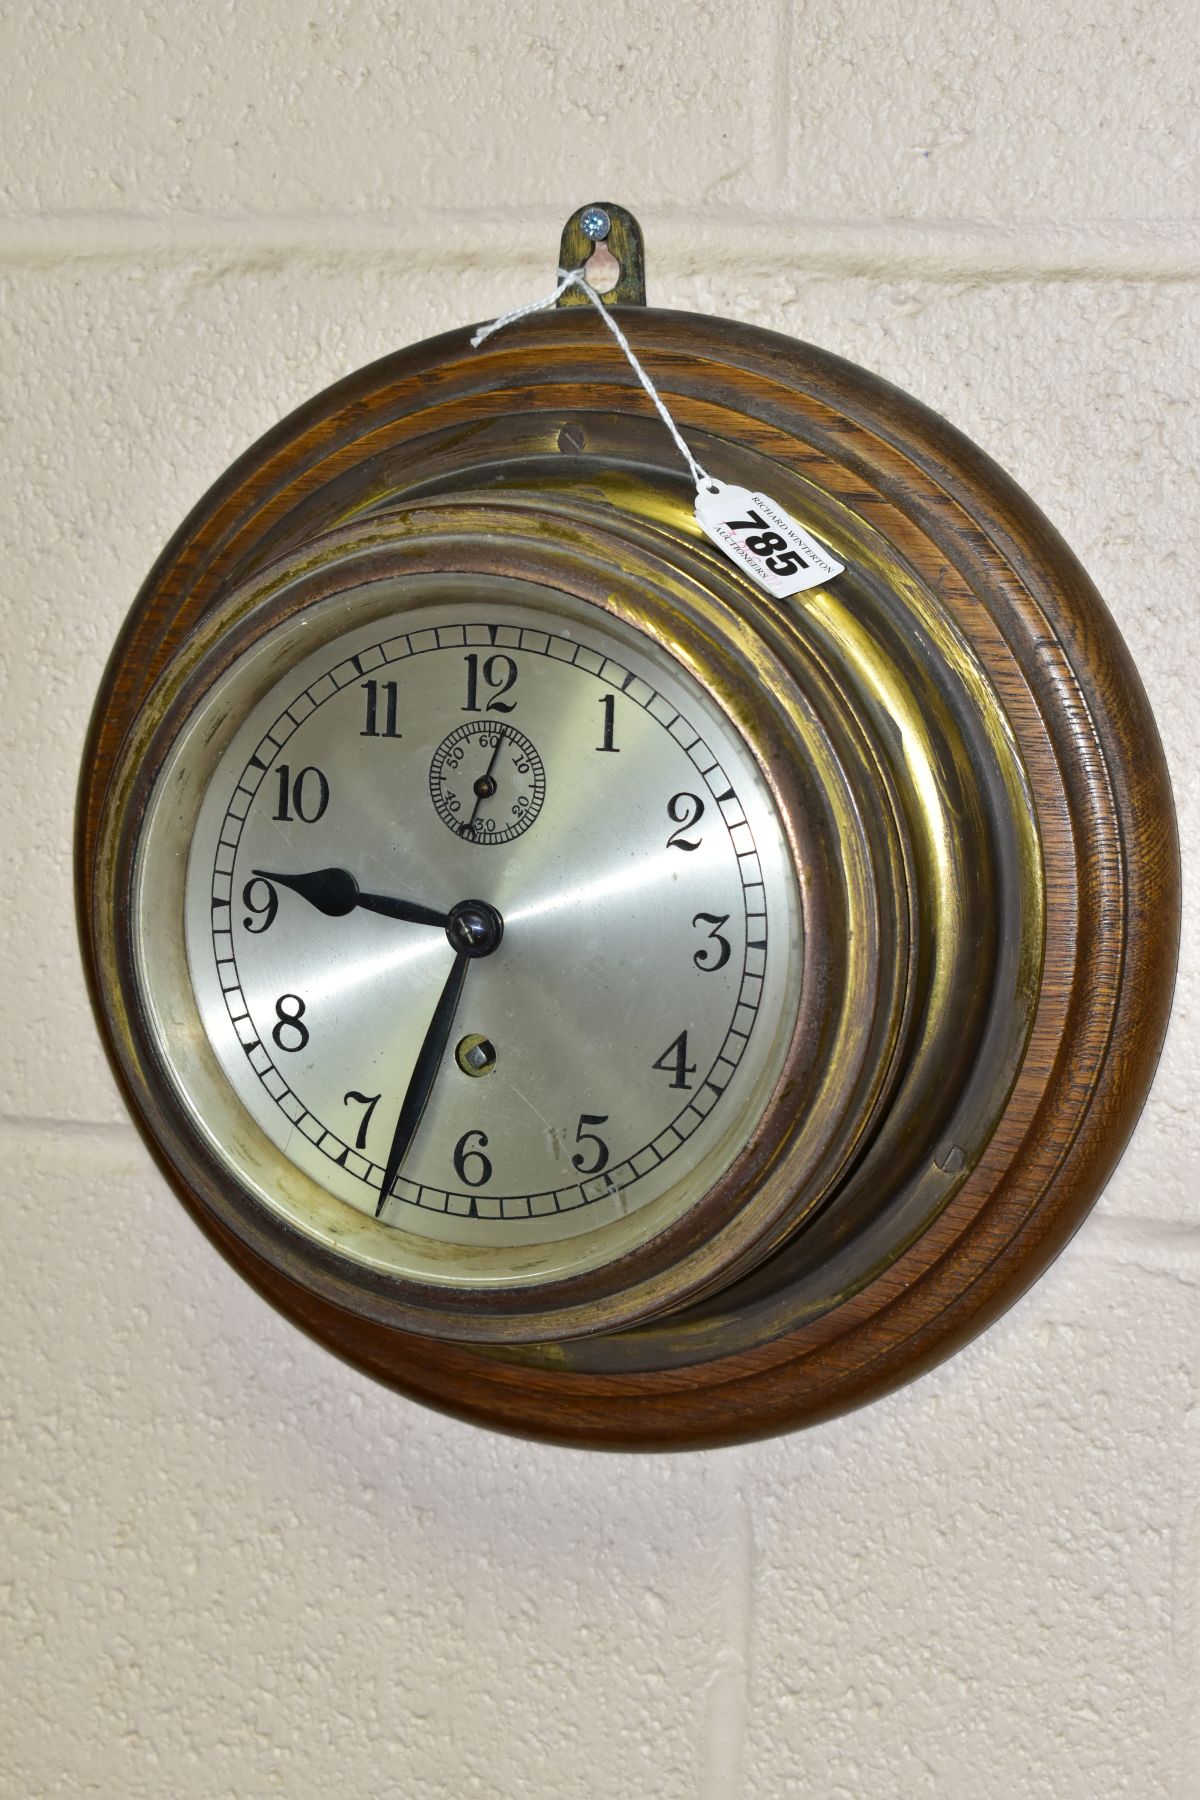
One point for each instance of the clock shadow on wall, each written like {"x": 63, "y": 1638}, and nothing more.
{"x": 593, "y": 994}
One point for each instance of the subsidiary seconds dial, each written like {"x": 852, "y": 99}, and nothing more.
{"x": 534, "y": 1005}
{"x": 487, "y": 781}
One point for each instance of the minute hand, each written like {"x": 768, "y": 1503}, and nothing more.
{"x": 335, "y": 892}
{"x": 425, "y": 1071}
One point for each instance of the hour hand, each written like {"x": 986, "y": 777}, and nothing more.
{"x": 335, "y": 892}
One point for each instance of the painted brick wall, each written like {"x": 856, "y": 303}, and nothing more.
{"x": 230, "y": 1566}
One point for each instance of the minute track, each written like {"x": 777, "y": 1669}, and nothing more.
{"x": 710, "y": 1081}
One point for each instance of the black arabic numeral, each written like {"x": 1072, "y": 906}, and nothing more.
{"x": 789, "y": 563}
{"x": 289, "y": 1020}
{"x": 600, "y": 1158}
{"x": 767, "y": 543}
{"x": 674, "y": 1062}
{"x": 370, "y": 1101}
{"x": 309, "y": 795}
{"x": 609, "y": 703}
{"x": 268, "y": 907}
{"x": 462, "y": 1156}
{"x": 716, "y": 920}
{"x": 371, "y": 728}
{"x": 774, "y": 549}
{"x": 499, "y": 673}
{"x": 686, "y": 810}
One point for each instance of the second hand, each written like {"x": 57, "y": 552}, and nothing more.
{"x": 485, "y": 787}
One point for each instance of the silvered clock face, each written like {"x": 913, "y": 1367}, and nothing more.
{"x": 490, "y": 920}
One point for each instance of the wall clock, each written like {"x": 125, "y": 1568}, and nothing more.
{"x": 595, "y": 995}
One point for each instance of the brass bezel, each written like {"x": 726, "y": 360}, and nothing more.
{"x": 793, "y": 1154}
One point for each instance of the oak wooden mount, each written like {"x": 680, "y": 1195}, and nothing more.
{"x": 1075, "y": 706}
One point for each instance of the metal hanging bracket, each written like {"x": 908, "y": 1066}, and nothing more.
{"x": 616, "y": 229}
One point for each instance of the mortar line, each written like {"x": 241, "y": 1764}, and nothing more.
{"x": 728, "y": 1691}
{"x": 1102, "y": 1233}
{"x": 1185, "y": 1631}
{"x": 685, "y": 242}
{"x": 1106, "y": 1231}
{"x": 33, "y": 1123}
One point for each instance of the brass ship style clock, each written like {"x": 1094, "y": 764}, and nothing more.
{"x": 590, "y": 989}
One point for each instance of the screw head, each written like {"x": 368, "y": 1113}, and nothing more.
{"x": 475, "y": 1055}
{"x": 595, "y": 223}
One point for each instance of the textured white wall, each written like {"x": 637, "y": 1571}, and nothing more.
{"x": 228, "y": 1565}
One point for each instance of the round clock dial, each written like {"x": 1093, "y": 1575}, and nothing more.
{"x": 555, "y": 1016}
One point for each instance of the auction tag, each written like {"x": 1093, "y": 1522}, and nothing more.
{"x": 764, "y": 540}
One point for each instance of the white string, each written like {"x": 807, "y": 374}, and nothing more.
{"x": 576, "y": 278}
